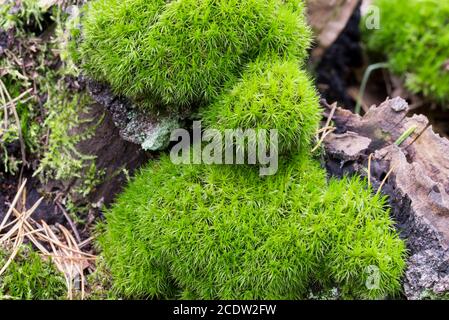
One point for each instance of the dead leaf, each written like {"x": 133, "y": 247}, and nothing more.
{"x": 328, "y": 19}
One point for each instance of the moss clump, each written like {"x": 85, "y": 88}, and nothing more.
{"x": 224, "y": 232}
{"x": 272, "y": 94}
{"x": 29, "y": 277}
{"x": 66, "y": 112}
{"x": 177, "y": 53}
{"x": 414, "y": 37}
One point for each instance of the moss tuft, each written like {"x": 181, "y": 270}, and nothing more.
{"x": 415, "y": 31}
{"x": 29, "y": 277}
{"x": 189, "y": 48}
{"x": 224, "y": 232}
{"x": 272, "y": 94}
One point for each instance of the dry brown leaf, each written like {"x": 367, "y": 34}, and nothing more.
{"x": 328, "y": 19}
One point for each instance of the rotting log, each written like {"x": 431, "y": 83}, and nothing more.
{"x": 418, "y": 186}
{"x": 114, "y": 156}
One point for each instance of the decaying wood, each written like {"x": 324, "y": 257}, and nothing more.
{"x": 115, "y": 156}
{"x": 418, "y": 187}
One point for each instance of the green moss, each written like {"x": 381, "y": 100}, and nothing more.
{"x": 188, "y": 49}
{"x": 61, "y": 159}
{"x": 68, "y": 124}
{"x": 224, "y": 232}
{"x": 66, "y": 33}
{"x": 20, "y": 13}
{"x": 272, "y": 94}
{"x": 413, "y": 35}
{"x": 29, "y": 277}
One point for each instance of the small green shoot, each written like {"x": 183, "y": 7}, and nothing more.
{"x": 405, "y": 135}
{"x": 369, "y": 70}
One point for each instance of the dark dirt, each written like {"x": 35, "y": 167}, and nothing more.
{"x": 113, "y": 155}
{"x": 33, "y": 58}
{"x": 27, "y": 51}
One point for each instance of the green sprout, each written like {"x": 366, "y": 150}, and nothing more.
{"x": 405, "y": 135}
{"x": 368, "y": 72}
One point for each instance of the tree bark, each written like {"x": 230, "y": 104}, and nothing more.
{"x": 418, "y": 186}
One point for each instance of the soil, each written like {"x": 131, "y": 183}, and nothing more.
{"x": 47, "y": 211}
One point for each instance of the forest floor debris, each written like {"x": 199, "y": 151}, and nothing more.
{"x": 418, "y": 187}
{"x": 53, "y": 242}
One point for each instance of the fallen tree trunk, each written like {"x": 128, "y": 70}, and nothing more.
{"x": 418, "y": 186}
